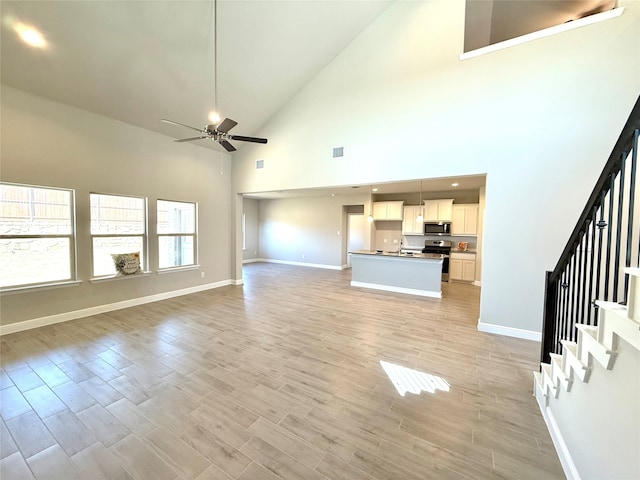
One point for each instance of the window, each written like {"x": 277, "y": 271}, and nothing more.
{"x": 176, "y": 234}
{"x": 37, "y": 235}
{"x": 118, "y": 225}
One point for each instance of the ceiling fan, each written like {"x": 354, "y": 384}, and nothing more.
{"x": 218, "y": 133}
{"x": 219, "y": 129}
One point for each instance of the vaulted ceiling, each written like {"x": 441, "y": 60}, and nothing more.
{"x": 141, "y": 61}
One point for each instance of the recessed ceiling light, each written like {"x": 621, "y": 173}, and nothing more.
{"x": 455, "y": 184}
{"x": 333, "y": 194}
{"x": 30, "y": 35}
{"x": 374, "y": 189}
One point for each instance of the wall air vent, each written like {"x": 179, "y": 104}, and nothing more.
{"x": 259, "y": 164}
{"x": 337, "y": 152}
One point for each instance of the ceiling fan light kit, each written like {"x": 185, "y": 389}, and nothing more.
{"x": 218, "y": 130}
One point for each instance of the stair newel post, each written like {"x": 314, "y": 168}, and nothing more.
{"x": 549, "y": 317}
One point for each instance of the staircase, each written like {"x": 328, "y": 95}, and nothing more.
{"x": 588, "y": 386}
{"x": 597, "y": 351}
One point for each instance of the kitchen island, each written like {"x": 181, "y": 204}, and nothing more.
{"x": 417, "y": 274}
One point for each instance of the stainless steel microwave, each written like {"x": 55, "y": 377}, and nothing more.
{"x": 437, "y": 228}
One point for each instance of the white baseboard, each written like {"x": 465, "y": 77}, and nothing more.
{"x": 564, "y": 455}
{"x": 387, "y": 288}
{"x": 237, "y": 282}
{"x": 509, "y": 331}
{"x": 252, "y": 260}
{"x": 302, "y": 264}
{"x": 477, "y": 283}
{"x": 87, "y": 312}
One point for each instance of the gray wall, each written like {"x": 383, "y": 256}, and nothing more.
{"x": 539, "y": 119}
{"x": 47, "y": 143}
{"x": 306, "y": 229}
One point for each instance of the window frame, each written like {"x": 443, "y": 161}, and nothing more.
{"x": 194, "y": 235}
{"x": 144, "y": 265}
{"x": 72, "y": 237}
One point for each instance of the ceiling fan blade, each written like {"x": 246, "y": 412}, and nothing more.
{"x": 226, "y": 125}
{"x": 248, "y": 139}
{"x": 191, "y": 139}
{"x": 227, "y": 146}
{"x": 182, "y": 125}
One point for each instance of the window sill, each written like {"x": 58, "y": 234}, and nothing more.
{"x": 178, "y": 269}
{"x": 111, "y": 278}
{"x": 34, "y": 288}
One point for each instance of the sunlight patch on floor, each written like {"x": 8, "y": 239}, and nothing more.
{"x": 413, "y": 381}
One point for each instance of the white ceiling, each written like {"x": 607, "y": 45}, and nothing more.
{"x": 140, "y": 61}
{"x": 469, "y": 182}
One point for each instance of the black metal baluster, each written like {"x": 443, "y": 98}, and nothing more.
{"x": 558, "y": 312}
{"x": 591, "y": 267}
{"x": 579, "y": 285}
{"x": 607, "y": 268}
{"x": 601, "y": 225}
{"x": 584, "y": 245}
{"x": 616, "y": 265}
{"x": 574, "y": 289}
{"x": 632, "y": 187}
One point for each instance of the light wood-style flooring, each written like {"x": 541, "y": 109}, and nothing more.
{"x": 277, "y": 379}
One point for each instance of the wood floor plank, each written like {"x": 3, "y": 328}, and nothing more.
{"x": 13, "y": 467}
{"x": 104, "y": 426}
{"x": 70, "y": 432}
{"x": 278, "y": 462}
{"x": 25, "y": 378}
{"x": 277, "y": 378}
{"x": 140, "y": 461}
{"x": 51, "y": 464}
{"x": 12, "y": 403}
{"x": 7, "y": 445}
{"x": 98, "y": 463}
{"x": 30, "y": 434}
{"x": 227, "y": 458}
{"x": 180, "y": 456}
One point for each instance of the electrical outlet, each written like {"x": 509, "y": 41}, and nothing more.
{"x": 384, "y": 240}
{"x": 202, "y": 275}
{"x": 395, "y": 240}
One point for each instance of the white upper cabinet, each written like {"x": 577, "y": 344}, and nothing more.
{"x": 438, "y": 210}
{"x": 388, "y": 210}
{"x": 464, "y": 219}
{"x": 410, "y": 223}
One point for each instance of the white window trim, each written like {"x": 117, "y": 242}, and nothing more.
{"x": 145, "y": 239}
{"x": 190, "y": 266}
{"x": 73, "y": 254}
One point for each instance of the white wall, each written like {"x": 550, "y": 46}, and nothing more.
{"x": 47, "y": 143}
{"x": 540, "y": 119}
{"x": 599, "y": 420}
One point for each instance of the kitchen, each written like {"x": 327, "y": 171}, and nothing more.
{"x": 410, "y": 235}
{"x": 318, "y": 227}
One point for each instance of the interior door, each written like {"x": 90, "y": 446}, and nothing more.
{"x": 355, "y": 233}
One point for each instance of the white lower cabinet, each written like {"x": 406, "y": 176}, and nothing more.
{"x": 462, "y": 266}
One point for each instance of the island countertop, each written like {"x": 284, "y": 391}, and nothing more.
{"x": 414, "y": 274}
{"x": 378, "y": 253}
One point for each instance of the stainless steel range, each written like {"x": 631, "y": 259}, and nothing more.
{"x": 442, "y": 247}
